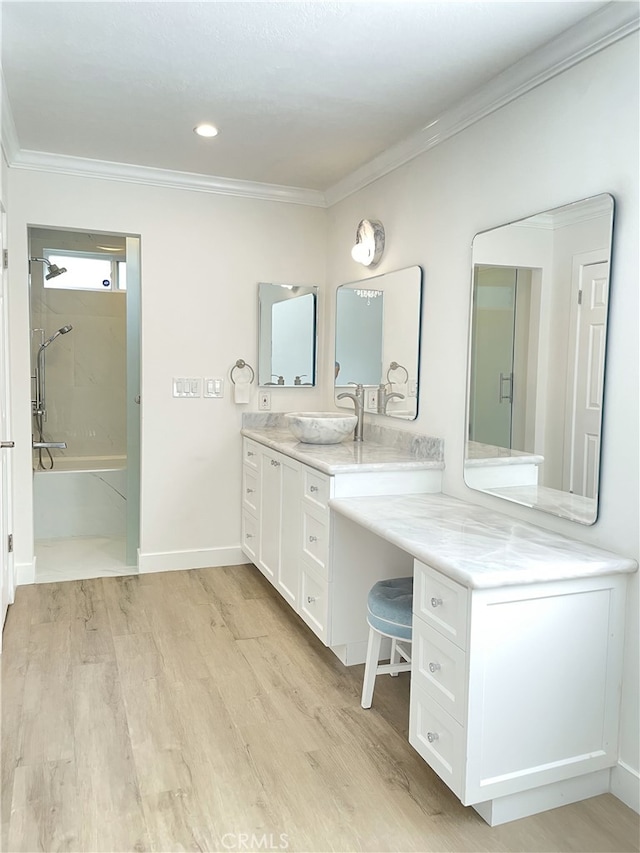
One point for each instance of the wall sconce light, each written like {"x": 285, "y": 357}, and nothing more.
{"x": 369, "y": 243}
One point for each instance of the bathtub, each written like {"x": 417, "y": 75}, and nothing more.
{"x": 81, "y": 497}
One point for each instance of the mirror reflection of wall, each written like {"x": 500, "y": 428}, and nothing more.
{"x": 378, "y": 341}
{"x": 287, "y": 335}
{"x": 537, "y": 347}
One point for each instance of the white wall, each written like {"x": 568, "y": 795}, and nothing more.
{"x": 199, "y": 310}
{"x": 571, "y": 138}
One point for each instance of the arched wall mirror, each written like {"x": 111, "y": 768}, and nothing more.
{"x": 378, "y": 341}
{"x": 540, "y": 292}
{"x": 287, "y": 334}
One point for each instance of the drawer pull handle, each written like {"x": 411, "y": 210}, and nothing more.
{"x": 275, "y": 463}
{"x": 313, "y": 539}
{"x": 313, "y": 488}
{"x": 436, "y": 602}
{"x": 434, "y": 667}
{"x": 250, "y": 491}
{"x": 250, "y": 453}
{"x": 431, "y": 736}
{"x": 310, "y": 599}
{"x": 249, "y": 536}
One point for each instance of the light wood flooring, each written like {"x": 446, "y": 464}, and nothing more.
{"x": 194, "y": 711}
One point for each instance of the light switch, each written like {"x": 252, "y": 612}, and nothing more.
{"x": 185, "y": 387}
{"x": 213, "y": 388}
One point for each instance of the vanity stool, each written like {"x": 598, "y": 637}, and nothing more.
{"x": 389, "y": 607}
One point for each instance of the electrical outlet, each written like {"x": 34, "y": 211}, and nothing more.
{"x": 372, "y": 400}
{"x": 264, "y": 401}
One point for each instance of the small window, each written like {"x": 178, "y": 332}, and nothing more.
{"x": 86, "y": 271}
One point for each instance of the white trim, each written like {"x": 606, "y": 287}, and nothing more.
{"x": 25, "y": 573}
{"x": 596, "y": 32}
{"x": 42, "y": 161}
{"x": 172, "y": 561}
{"x": 535, "y": 800}
{"x": 625, "y": 785}
{"x": 9, "y": 137}
{"x": 601, "y": 29}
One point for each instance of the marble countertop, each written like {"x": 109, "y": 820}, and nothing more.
{"x": 346, "y": 457}
{"x": 475, "y": 546}
{"x": 479, "y": 454}
{"x": 563, "y": 504}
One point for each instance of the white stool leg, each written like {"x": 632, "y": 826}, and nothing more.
{"x": 371, "y": 667}
{"x": 395, "y": 656}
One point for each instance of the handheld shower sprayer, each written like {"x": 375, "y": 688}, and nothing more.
{"x": 62, "y": 331}
{"x": 54, "y": 269}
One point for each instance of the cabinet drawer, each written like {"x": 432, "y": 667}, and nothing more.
{"x": 437, "y": 737}
{"x": 441, "y": 602}
{"x": 315, "y": 488}
{"x": 315, "y": 540}
{"x": 314, "y": 602}
{"x": 250, "y": 536}
{"x": 250, "y": 453}
{"x": 439, "y": 668}
{"x": 250, "y": 489}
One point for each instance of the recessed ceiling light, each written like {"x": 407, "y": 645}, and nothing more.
{"x": 206, "y": 130}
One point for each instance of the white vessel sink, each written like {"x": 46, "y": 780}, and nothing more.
{"x": 321, "y": 427}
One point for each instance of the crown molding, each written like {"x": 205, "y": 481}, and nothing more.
{"x": 572, "y": 214}
{"x": 9, "y": 135}
{"x": 40, "y": 161}
{"x": 601, "y": 29}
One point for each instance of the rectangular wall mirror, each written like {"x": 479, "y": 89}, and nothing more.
{"x": 540, "y": 293}
{"x": 378, "y": 341}
{"x": 287, "y": 334}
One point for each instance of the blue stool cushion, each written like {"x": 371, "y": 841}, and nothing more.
{"x": 389, "y": 607}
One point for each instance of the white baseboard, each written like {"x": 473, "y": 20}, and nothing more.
{"x": 625, "y": 785}
{"x": 25, "y": 573}
{"x": 173, "y": 561}
{"x": 536, "y": 800}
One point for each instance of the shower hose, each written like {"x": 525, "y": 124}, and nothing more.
{"x": 41, "y": 464}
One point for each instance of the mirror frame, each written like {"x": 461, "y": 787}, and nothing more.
{"x": 307, "y": 290}
{"x": 374, "y": 283}
{"x": 558, "y": 502}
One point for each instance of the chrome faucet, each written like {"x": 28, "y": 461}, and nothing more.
{"x": 358, "y": 405}
{"x": 384, "y": 397}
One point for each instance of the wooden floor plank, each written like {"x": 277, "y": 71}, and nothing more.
{"x": 195, "y": 711}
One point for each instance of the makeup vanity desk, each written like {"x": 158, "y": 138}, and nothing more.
{"x": 517, "y": 631}
{"x": 517, "y": 651}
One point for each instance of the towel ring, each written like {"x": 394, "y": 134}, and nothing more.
{"x": 395, "y": 366}
{"x": 240, "y": 365}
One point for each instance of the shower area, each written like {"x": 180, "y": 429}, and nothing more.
{"x": 84, "y": 302}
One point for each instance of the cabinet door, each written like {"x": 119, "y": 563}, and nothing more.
{"x": 270, "y": 514}
{"x": 288, "y": 568}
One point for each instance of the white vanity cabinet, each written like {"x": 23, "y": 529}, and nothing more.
{"x": 288, "y": 532}
{"x": 271, "y": 516}
{"x": 515, "y": 690}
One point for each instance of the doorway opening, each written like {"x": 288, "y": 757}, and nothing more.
{"x": 85, "y": 394}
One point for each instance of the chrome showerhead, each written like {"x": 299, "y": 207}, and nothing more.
{"x": 54, "y": 270}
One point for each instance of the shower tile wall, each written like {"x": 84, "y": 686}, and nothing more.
{"x": 85, "y": 370}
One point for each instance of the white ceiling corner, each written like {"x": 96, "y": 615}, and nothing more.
{"x": 607, "y": 24}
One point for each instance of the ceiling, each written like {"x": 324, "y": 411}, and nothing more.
{"x": 303, "y": 94}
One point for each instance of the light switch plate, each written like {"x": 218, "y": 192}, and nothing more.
{"x": 186, "y": 386}
{"x": 213, "y": 387}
